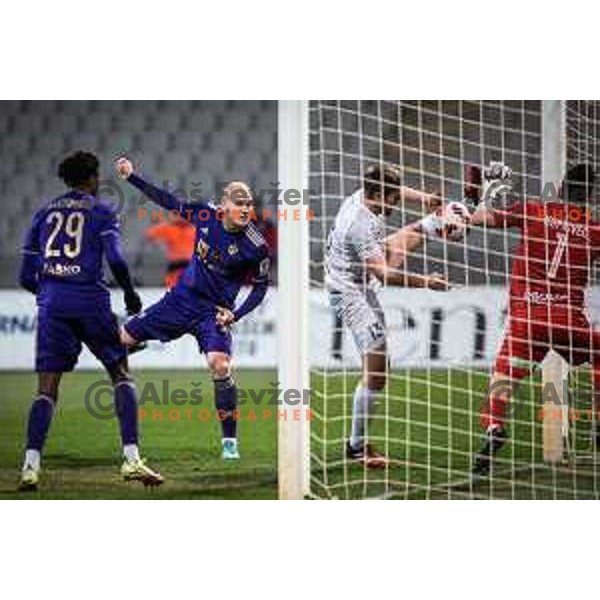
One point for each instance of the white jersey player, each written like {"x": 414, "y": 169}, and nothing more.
{"x": 360, "y": 259}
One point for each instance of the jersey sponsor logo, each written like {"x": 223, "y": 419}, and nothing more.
{"x": 202, "y": 249}
{"x": 232, "y": 250}
{"x": 544, "y": 298}
{"x": 60, "y": 270}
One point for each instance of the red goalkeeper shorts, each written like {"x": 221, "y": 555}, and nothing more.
{"x": 533, "y": 330}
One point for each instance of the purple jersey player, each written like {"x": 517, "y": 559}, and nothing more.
{"x": 62, "y": 265}
{"x": 229, "y": 252}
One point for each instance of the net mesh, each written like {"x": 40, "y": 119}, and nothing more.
{"x": 441, "y": 346}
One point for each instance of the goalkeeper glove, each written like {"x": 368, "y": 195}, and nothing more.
{"x": 498, "y": 185}
{"x": 497, "y": 171}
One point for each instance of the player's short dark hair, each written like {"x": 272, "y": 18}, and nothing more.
{"x": 578, "y": 183}
{"x": 78, "y": 168}
{"x": 381, "y": 179}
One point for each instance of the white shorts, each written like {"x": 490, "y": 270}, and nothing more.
{"x": 363, "y": 314}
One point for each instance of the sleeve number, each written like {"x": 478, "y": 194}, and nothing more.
{"x": 72, "y": 227}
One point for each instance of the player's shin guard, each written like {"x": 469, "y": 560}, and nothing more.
{"x": 225, "y": 403}
{"x": 126, "y": 408}
{"x": 40, "y": 417}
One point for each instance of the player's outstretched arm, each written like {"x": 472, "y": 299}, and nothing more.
{"x": 429, "y": 202}
{"x": 162, "y": 197}
{"x": 447, "y": 224}
{"x": 400, "y": 244}
{"x": 400, "y": 277}
{"x": 497, "y": 178}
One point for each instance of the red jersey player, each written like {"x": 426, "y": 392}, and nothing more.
{"x": 560, "y": 240}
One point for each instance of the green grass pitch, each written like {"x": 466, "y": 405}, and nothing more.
{"x": 428, "y": 423}
{"x": 82, "y": 456}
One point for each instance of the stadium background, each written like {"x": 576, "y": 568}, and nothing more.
{"x": 431, "y": 410}
{"x": 182, "y": 142}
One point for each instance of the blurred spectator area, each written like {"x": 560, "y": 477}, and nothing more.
{"x": 184, "y": 142}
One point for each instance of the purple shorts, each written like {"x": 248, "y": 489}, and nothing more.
{"x": 179, "y": 312}
{"x": 59, "y": 340}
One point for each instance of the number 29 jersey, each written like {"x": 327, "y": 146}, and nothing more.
{"x": 66, "y": 237}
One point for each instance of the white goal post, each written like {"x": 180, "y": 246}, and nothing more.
{"x": 554, "y": 369}
{"x": 293, "y": 291}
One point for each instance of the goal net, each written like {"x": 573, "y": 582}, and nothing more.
{"x": 442, "y": 345}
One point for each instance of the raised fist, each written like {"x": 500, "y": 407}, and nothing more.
{"x": 123, "y": 167}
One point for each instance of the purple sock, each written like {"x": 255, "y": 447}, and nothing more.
{"x": 40, "y": 417}
{"x": 126, "y": 406}
{"x": 226, "y": 401}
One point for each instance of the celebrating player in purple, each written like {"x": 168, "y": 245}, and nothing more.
{"x": 229, "y": 252}
{"x": 62, "y": 265}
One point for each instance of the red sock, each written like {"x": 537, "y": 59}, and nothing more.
{"x": 494, "y": 412}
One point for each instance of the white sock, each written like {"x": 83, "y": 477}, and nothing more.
{"x": 362, "y": 409}
{"x": 33, "y": 459}
{"x": 131, "y": 452}
{"x": 223, "y": 440}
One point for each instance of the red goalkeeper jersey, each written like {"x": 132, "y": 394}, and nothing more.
{"x": 552, "y": 263}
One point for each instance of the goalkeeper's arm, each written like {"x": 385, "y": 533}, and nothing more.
{"x": 483, "y": 216}
{"x": 497, "y": 178}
